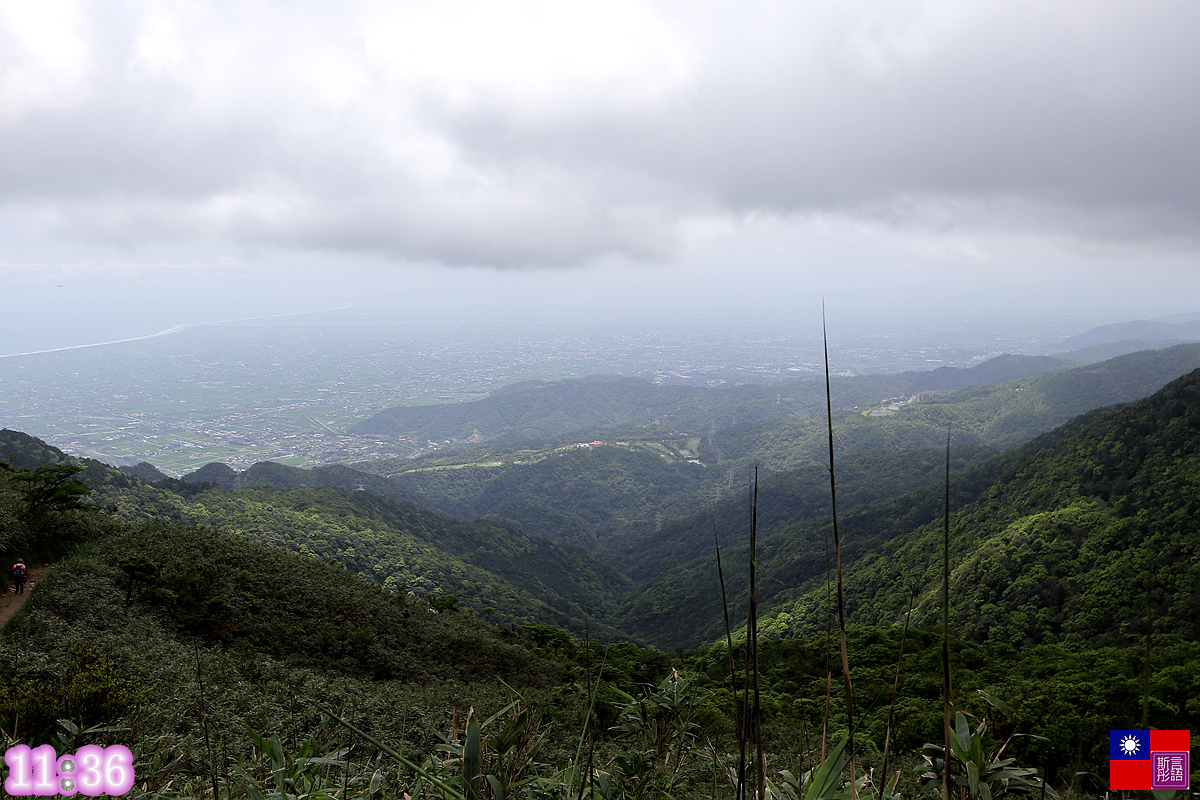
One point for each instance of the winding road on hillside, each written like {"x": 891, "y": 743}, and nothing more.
{"x": 10, "y": 602}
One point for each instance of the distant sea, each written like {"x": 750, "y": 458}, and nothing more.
{"x": 60, "y": 337}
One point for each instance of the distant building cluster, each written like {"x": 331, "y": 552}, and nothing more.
{"x": 896, "y": 403}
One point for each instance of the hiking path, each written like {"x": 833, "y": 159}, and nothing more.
{"x": 10, "y": 602}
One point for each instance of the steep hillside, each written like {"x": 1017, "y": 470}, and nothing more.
{"x": 501, "y": 572}
{"x": 216, "y": 637}
{"x": 1044, "y": 531}
{"x": 1013, "y": 412}
{"x": 580, "y": 495}
{"x": 1071, "y": 543}
{"x": 44, "y": 511}
{"x": 1103, "y": 352}
{"x": 1065, "y": 544}
{"x": 784, "y": 499}
{"x": 680, "y": 606}
{"x": 225, "y": 589}
{"x": 22, "y": 451}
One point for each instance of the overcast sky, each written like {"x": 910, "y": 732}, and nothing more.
{"x": 167, "y": 162}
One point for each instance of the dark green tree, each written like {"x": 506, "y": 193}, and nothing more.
{"x": 52, "y": 488}
{"x": 139, "y": 570}
{"x": 548, "y": 636}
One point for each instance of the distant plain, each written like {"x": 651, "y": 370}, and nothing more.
{"x": 287, "y": 389}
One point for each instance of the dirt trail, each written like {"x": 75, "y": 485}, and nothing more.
{"x": 9, "y": 602}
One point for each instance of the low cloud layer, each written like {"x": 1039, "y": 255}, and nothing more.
{"x": 533, "y": 134}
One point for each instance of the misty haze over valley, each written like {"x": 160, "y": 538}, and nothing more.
{"x": 292, "y": 388}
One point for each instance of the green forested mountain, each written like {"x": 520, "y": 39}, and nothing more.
{"x": 1058, "y": 541}
{"x": 649, "y": 513}
{"x": 650, "y": 516}
{"x": 166, "y": 621}
{"x": 784, "y": 499}
{"x": 501, "y": 572}
{"x": 1070, "y": 544}
{"x": 649, "y": 519}
{"x": 540, "y": 410}
{"x": 146, "y": 471}
{"x": 24, "y": 452}
{"x": 282, "y": 476}
{"x": 1001, "y": 415}
{"x": 583, "y": 495}
{"x": 44, "y": 511}
{"x": 1150, "y": 330}
{"x": 217, "y": 474}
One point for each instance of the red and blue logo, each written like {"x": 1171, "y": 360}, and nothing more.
{"x": 1145, "y": 760}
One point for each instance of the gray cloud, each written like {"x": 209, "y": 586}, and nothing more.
{"x": 273, "y": 124}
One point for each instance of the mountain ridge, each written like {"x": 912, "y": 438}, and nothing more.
{"x": 543, "y": 410}
{"x": 1129, "y": 473}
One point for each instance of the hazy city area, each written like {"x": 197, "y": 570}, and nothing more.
{"x": 287, "y": 390}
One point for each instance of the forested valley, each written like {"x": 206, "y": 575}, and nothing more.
{"x": 536, "y": 609}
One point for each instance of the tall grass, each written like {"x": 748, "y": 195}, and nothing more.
{"x": 738, "y": 701}
{"x": 752, "y": 641}
{"x": 946, "y": 699}
{"x": 837, "y": 555}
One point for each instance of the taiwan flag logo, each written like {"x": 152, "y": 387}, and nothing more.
{"x": 1145, "y": 760}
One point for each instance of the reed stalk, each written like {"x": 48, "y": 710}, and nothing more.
{"x": 946, "y": 702}
{"x": 837, "y": 555}
{"x": 737, "y": 702}
{"x": 472, "y": 758}
{"x": 752, "y": 642}
{"x": 587, "y": 723}
{"x": 745, "y": 723}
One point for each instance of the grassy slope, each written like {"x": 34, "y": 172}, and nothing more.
{"x": 227, "y": 590}
{"x": 276, "y": 638}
